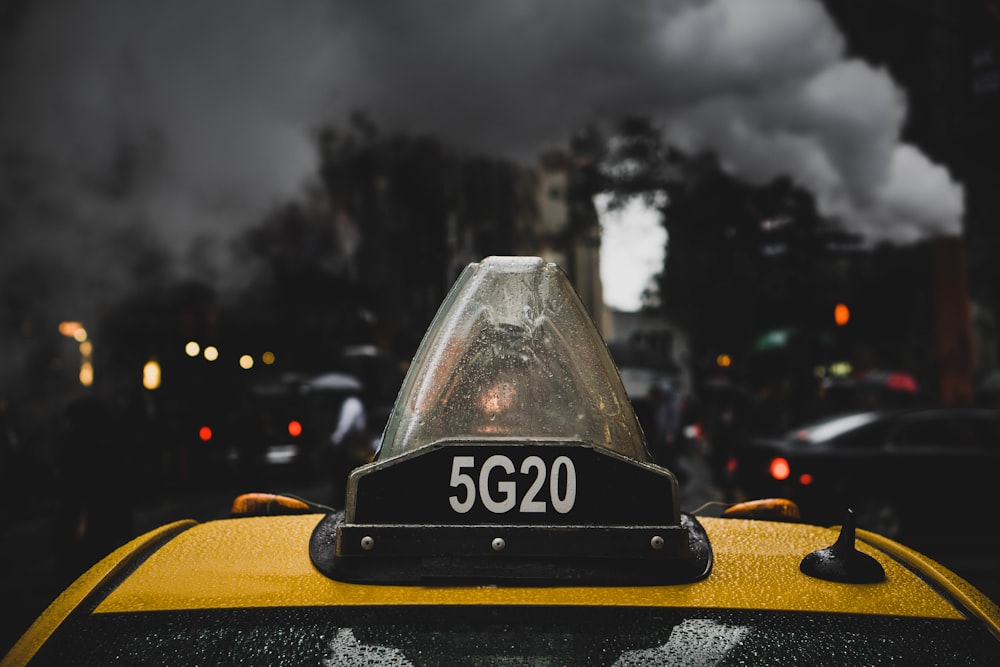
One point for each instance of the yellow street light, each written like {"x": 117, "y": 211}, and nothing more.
{"x": 69, "y": 328}
{"x": 75, "y": 330}
{"x": 86, "y": 374}
{"x": 151, "y": 375}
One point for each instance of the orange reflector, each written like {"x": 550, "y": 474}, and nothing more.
{"x": 780, "y": 469}
{"x": 294, "y": 428}
{"x": 268, "y": 503}
{"x": 205, "y": 433}
{"x": 765, "y": 508}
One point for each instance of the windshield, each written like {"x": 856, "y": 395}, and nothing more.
{"x": 517, "y": 636}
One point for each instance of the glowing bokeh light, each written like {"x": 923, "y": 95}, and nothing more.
{"x": 211, "y": 353}
{"x": 841, "y": 369}
{"x": 246, "y": 362}
{"x": 86, "y": 374}
{"x": 69, "y": 329}
{"x": 779, "y": 469}
{"x": 151, "y": 375}
{"x": 841, "y": 314}
{"x": 192, "y": 349}
{"x": 267, "y": 358}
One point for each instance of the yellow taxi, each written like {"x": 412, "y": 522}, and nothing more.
{"x": 512, "y": 516}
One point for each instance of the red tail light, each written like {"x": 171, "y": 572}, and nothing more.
{"x": 205, "y": 433}
{"x": 294, "y": 428}
{"x": 805, "y": 479}
{"x": 693, "y": 431}
{"x": 779, "y": 469}
{"x": 733, "y": 464}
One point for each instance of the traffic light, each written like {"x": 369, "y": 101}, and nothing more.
{"x": 841, "y": 314}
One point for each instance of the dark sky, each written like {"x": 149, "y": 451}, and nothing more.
{"x": 185, "y": 120}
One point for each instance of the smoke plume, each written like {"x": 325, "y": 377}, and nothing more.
{"x": 181, "y": 122}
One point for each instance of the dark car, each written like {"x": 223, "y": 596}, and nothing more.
{"x": 918, "y": 474}
{"x": 282, "y": 428}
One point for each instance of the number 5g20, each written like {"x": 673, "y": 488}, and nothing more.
{"x": 502, "y": 496}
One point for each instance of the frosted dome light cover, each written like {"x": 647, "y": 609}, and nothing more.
{"x": 513, "y": 356}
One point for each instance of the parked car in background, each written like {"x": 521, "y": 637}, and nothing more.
{"x": 920, "y": 475}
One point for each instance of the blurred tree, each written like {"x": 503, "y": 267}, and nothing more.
{"x": 390, "y": 197}
{"x": 742, "y": 259}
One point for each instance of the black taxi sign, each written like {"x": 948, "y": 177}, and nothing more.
{"x": 551, "y": 483}
{"x": 512, "y": 452}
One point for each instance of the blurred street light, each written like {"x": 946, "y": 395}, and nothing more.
{"x": 76, "y": 331}
{"x": 151, "y": 375}
{"x": 86, "y": 374}
{"x": 70, "y": 328}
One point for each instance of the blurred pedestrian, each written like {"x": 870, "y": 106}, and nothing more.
{"x": 95, "y": 503}
{"x": 350, "y": 445}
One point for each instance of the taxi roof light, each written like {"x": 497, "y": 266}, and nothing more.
{"x": 514, "y": 423}
{"x": 513, "y": 352}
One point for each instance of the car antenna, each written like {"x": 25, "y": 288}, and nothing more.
{"x": 841, "y": 561}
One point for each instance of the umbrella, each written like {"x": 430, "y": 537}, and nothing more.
{"x": 341, "y": 381}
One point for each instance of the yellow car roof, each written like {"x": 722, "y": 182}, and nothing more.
{"x": 264, "y": 562}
